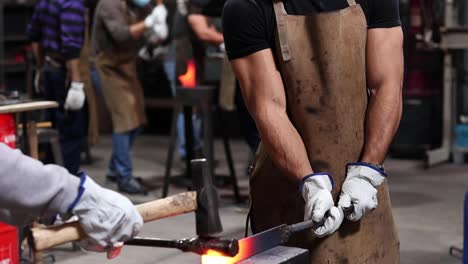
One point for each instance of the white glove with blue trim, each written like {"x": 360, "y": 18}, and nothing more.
{"x": 316, "y": 191}
{"x": 360, "y": 189}
{"x": 107, "y": 217}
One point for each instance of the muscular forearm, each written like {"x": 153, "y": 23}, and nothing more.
{"x": 382, "y": 120}
{"x": 283, "y": 143}
{"x": 384, "y": 78}
{"x": 210, "y": 35}
{"x": 73, "y": 67}
{"x": 264, "y": 95}
{"x": 205, "y": 32}
{"x": 27, "y": 187}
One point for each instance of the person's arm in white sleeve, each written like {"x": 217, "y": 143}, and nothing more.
{"x": 29, "y": 188}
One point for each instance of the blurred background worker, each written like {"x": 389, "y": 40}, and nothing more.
{"x": 200, "y": 14}
{"x": 57, "y": 33}
{"x": 106, "y": 216}
{"x": 192, "y": 33}
{"x": 118, "y": 26}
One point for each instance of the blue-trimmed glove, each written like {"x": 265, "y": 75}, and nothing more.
{"x": 360, "y": 189}
{"x": 107, "y": 217}
{"x": 316, "y": 191}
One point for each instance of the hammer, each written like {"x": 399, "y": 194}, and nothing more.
{"x": 204, "y": 201}
{"x": 208, "y": 223}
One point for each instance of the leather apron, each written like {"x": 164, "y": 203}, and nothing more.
{"x": 321, "y": 59}
{"x": 122, "y": 90}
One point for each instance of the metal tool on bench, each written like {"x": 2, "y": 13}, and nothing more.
{"x": 227, "y": 247}
{"x": 266, "y": 241}
{"x": 204, "y": 202}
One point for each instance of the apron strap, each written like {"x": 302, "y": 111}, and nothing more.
{"x": 351, "y": 2}
{"x": 280, "y": 14}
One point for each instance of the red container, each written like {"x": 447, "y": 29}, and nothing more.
{"x": 8, "y": 131}
{"x": 8, "y": 244}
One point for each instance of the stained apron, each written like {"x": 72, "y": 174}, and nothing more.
{"x": 121, "y": 87}
{"x": 321, "y": 59}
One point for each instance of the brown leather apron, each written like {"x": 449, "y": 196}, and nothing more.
{"x": 321, "y": 58}
{"x": 122, "y": 90}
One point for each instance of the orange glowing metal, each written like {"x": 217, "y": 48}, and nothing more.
{"x": 214, "y": 257}
{"x": 189, "y": 79}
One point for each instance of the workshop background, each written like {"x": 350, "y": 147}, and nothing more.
{"x": 427, "y": 162}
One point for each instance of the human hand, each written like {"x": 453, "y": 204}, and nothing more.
{"x": 222, "y": 47}
{"x": 360, "y": 189}
{"x": 157, "y": 16}
{"x": 107, "y": 218}
{"x": 75, "y": 96}
{"x": 316, "y": 191}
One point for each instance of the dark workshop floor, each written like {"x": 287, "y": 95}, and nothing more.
{"x": 428, "y": 206}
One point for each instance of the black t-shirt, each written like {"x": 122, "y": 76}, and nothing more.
{"x": 249, "y": 25}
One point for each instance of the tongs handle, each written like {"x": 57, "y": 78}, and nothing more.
{"x": 302, "y": 226}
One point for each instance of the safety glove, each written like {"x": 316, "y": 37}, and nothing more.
{"x": 359, "y": 190}
{"x": 161, "y": 31}
{"x": 75, "y": 96}
{"x": 316, "y": 191}
{"x": 107, "y": 217}
{"x": 222, "y": 47}
{"x": 157, "y": 16}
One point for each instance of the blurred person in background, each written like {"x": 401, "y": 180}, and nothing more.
{"x": 57, "y": 34}
{"x": 118, "y": 30}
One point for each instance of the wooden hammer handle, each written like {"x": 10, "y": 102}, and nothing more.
{"x": 45, "y": 238}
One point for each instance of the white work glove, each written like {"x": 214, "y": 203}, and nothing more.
{"x": 157, "y": 16}
{"x": 316, "y": 191}
{"x": 182, "y": 7}
{"x": 359, "y": 189}
{"x": 161, "y": 31}
{"x": 107, "y": 217}
{"x": 75, "y": 96}
{"x": 222, "y": 47}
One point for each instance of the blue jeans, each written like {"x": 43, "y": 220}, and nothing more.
{"x": 169, "y": 67}
{"x": 120, "y": 164}
{"x": 197, "y": 126}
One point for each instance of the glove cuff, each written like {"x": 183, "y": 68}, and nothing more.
{"x": 309, "y": 177}
{"x": 366, "y": 171}
{"x": 77, "y": 85}
{"x": 81, "y": 190}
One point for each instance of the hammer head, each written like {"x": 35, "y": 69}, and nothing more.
{"x": 207, "y": 215}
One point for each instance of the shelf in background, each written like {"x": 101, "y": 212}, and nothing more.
{"x": 10, "y": 67}
{"x": 16, "y": 38}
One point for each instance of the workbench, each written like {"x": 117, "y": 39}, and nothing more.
{"x": 21, "y": 108}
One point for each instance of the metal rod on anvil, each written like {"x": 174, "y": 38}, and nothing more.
{"x": 264, "y": 241}
{"x": 302, "y": 226}
{"x": 227, "y": 247}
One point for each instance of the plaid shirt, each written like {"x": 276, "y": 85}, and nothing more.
{"x": 59, "y": 26}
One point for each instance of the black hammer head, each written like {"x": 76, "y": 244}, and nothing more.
{"x": 207, "y": 214}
